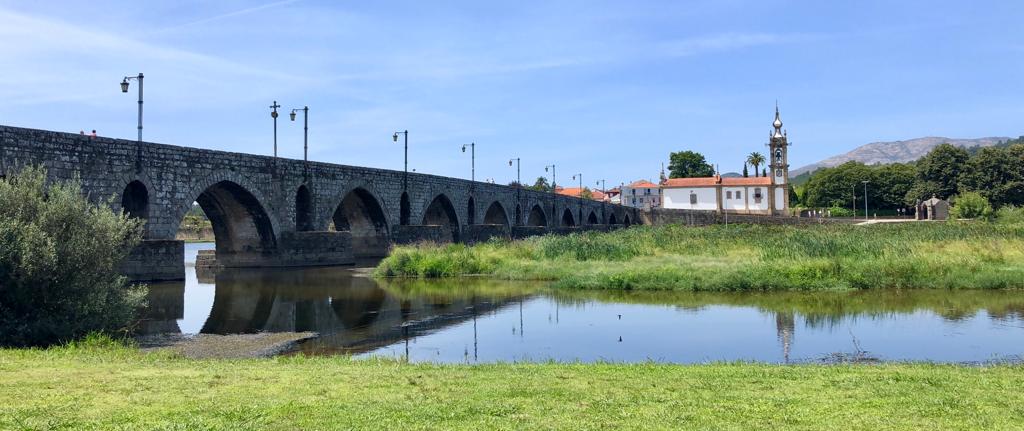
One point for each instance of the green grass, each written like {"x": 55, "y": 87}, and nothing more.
{"x": 104, "y": 386}
{"x": 741, "y": 257}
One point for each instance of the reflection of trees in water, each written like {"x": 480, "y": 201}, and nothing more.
{"x": 824, "y": 309}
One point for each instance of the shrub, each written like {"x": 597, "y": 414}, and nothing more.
{"x": 840, "y": 212}
{"x": 971, "y": 205}
{"x": 58, "y": 262}
{"x": 1010, "y": 214}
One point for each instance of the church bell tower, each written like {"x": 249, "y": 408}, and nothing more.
{"x": 778, "y": 146}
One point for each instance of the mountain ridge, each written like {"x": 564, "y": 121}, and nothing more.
{"x": 896, "y": 151}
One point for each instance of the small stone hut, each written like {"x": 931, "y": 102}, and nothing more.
{"x": 933, "y": 209}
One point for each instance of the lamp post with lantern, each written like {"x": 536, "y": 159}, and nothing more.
{"x": 305, "y": 137}
{"x": 405, "y": 176}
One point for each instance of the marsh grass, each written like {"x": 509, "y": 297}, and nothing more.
{"x": 741, "y": 257}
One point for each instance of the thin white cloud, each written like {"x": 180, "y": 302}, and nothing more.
{"x": 222, "y": 16}
{"x": 721, "y": 42}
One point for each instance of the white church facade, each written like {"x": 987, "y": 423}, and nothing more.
{"x": 767, "y": 195}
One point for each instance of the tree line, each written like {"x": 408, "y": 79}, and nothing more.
{"x": 996, "y": 173}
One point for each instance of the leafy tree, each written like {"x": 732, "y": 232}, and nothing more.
{"x": 764, "y": 172}
{"x": 755, "y": 159}
{"x": 689, "y": 164}
{"x": 891, "y": 184}
{"x": 971, "y": 205}
{"x": 745, "y": 173}
{"x": 997, "y": 174}
{"x": 587, "y": 194}
{"x": 541, "y": 185}
{"x": 939, "y": 170}
{"x": 836, "y": 187}
{"x": 58, "y": 262}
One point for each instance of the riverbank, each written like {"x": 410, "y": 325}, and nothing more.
{"x": 740, "y": 257}
{"x": 110, "y": 386}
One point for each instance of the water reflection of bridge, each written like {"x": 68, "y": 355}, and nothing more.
{"x": 352, "y": 314}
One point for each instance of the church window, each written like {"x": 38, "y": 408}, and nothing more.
{"x": 778, "y": 172}
{"x": 778, "y": 155}
{"x": 693, "y": 198}
{"x": 728, "y": 194}
{"x": 739, "y": 194}
{"x": 757, "y": 194}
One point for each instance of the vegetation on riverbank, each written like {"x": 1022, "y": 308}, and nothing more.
{"x": 741, "y": 257}
{"x": 103, "y": 385}
{"x": 59, "y": 257}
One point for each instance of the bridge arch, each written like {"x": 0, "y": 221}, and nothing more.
{"x": 537, "y": 217}
{"x": 496, "y": 214}
{"x": 244, "y": 231}
{"x": 135, "y": 200}
{"x": 567, "y": 219}
{"x": 625, "y": 220}
{"x": 441, "y": 212}
{"x": 361, "y": 213}
{"x": 612, "y": 220}
{"x": 592, "y": 218}
{"x": 303, "y": 209}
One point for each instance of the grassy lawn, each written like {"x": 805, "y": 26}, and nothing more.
{"x": 120, "y": 388}
{"x": 741, "y": 257}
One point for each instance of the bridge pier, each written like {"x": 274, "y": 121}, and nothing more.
{"x": 475, "y": 233}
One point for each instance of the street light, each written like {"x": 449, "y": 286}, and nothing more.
{"x": 405, "y": 176}
{"x": 472, "y": 160}
{"x": 519, "y": 187}
{"x": 305, "y": 136}
{"x": 552, "y": 166}
{"x": 273, "y": 114}
{"x": 865, "y": 199}
{"x": 124, "y": 89}
{"x": 580, "y": 176}
{"x": 604, "y": 191}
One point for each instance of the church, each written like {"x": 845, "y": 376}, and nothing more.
{"x": 767, "y": 195}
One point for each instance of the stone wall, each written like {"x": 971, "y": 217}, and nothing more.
{"x": 155, "y": 260}
{"x": 475, "y": 233}
{"x": 664, "y": 216}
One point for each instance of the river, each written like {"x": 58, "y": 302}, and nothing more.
{"x": 475, "y": 320}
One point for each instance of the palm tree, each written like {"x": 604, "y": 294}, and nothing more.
{"x": 755, "y": 159}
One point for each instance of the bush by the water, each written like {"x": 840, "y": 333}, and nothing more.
{"x": 741, "y": 257}
{"x": 971, "y": 205}
{"x": 58, "y": 262}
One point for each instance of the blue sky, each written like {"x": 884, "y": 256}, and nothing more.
{"x": 603, "y": 88}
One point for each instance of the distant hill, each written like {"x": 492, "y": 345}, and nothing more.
{"x": 895, "y": 152}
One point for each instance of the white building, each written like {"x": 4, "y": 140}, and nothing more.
{"x": 754, "y": 195}
{"x": 640, "y": 194}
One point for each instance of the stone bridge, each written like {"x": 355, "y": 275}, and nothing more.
{"x": 275, "y": 212}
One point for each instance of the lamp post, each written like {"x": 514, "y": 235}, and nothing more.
{"x": 605, "y": 193}
{"x": 405, "y": 176}
{"x": 865, "y": 199}
{"x": 472, "y": 160}
{"x": 124, "y": 89}
{"x": 580, "y": 177}
{"x": 305, "y": 137}
{"x": 273, "y": 114}
{"x": 519, "y": 187}
{"x": 552, "y": 166}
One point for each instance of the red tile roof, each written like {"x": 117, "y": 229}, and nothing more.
{"x": 639, "y": 184}
{"x": 713, "y": 181}
{"x": 575, "y": 192}
{"x": 749, "y": 181}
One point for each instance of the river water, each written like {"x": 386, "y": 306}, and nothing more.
{"x": 480, "y": 320}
